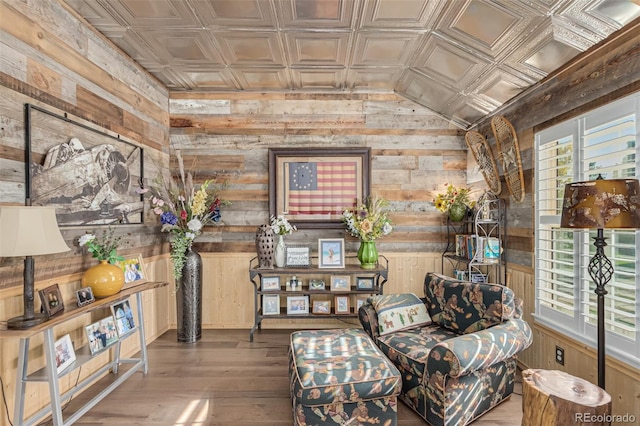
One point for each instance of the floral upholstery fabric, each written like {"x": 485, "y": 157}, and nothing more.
{"x": 441, "y": 367}
{"x": 341, "y": 376}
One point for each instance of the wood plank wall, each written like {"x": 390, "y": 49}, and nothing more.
{"x": 50, "y": 58}
{"x": 606, "y": 72}
{"x": 413, "y": 154}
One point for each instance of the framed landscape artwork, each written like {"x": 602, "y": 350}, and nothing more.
{"x": 311, "y": 187}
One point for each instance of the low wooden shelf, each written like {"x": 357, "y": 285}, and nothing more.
{"x": 49, "y": 374}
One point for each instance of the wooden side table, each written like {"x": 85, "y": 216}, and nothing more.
{"x": 555, "y": 398}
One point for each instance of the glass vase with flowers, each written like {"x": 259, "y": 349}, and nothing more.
{"x": 368, "y": 222}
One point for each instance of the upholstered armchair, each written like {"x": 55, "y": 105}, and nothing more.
{"x": 462, "y": 362}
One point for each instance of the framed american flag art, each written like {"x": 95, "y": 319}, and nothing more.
{"x": 311, "y": 187}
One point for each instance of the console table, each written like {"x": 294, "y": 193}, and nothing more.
{"x": 48, "y": 373}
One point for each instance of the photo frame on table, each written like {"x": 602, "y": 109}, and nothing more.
{"x": 364, "y": 283}
{"x": 102, "y": 334}
{"x": 270, "y": 304}
{"x": 76, "y": 167}
{"x": 297, "y": 305}
{"x": 331, "y": 253}
{"x": 51, "y": 300}
{"x": 311, "y": 187}
{"x": 316, "y": 284}
{"x": 65, "y": 355}
{"x": 321, "y": 307}
{"x": 123, "y": 315}
{"x": 84, "y": 296}
{"x": 341, "y": 305}
{"x": 133, "y": 268}
{"x": 270, "y": 283}
{"x": 298, "y": 257}
{"x": 340, "y": 283}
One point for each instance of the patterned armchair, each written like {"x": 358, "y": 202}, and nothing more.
{"x": 463, "y": 363}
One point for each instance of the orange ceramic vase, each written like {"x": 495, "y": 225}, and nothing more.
{"x": 104, "y": 279}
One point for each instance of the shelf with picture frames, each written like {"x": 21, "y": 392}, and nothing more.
{"x": 344, "y": 288}
{"x": 49, "y": 373}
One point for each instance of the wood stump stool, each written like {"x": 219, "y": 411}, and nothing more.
{"x": 555, "y": 398}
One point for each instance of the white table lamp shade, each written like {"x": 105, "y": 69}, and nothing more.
{"x": 29, "y": 231}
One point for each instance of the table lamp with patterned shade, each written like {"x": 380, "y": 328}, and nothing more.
{"x": 599, "y": 204}
{"x": 27, "y": 231}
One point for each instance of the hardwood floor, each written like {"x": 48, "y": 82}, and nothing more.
{"x": 224, "y": 380}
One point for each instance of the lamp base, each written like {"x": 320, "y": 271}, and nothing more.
{"x": 22, "y": 323}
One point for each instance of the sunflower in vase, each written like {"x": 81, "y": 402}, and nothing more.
{"x": 455, "y": 202}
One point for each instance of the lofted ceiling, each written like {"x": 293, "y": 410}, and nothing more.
{"x": 461, "y": 59}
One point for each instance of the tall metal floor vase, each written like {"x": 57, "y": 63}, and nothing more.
{"x": 189, "y": 299}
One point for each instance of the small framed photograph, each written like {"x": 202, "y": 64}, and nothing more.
{"x": 133, "y": 268}
{"x": 360, "y": 300}
{"x": 270, "y": 304}
{"x": 321, "y": 307}
{"x": 65, "y": 355}
{"x": 270, "y": 283}
{"x": 123, "y": 314}
{"x": 331, "y": 253}
{"x": 294, "y": 284}
{"x": 340, "y": 283}
{"x": 364, "y": 283}
{"x": 342, "y": 305}
{"x": 316, "y": 284}
{"x": 298, "y": 257}
{"x": 84, "y": 296}
{"x": 297, "y": 305}
{"x": 101, "y": 334}
{"x": 51, "y": 299}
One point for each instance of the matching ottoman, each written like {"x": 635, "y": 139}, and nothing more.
{"x": 341, "y": 377}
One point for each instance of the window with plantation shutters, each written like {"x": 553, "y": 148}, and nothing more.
{"x": 601, "y": 142}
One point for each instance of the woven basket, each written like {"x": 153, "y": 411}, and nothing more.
{"x": 507, "y": 141}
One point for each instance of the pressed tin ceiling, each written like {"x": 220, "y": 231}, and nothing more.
{"x": 461, "y": 59}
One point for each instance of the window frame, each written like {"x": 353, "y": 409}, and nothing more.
{"x": 575, "y": 324}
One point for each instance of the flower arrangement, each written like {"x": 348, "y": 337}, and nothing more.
{"x": 281, "y": 226}
{"x": 453, "y": 195}
{"x": 104, "y": 248}
{"x": 368, "y": 221}
{"x": 184, "y": 211}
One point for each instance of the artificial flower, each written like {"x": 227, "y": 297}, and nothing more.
{"x": 184, "y": 211}
{"x": 104, "y": 248}
{"x": 281, "y": 226}
{"x": 453, "y": 195}
{"x": 368, "y": 221}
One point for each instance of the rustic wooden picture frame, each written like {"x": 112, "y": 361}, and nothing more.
{"x": 89, "y": 175}
{"x": 51, "y": 299}
{"x": 296, "y": 193}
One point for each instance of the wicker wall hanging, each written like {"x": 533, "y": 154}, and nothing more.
{"x": 507, "y": 141}
{"x": 484, "y": 157}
